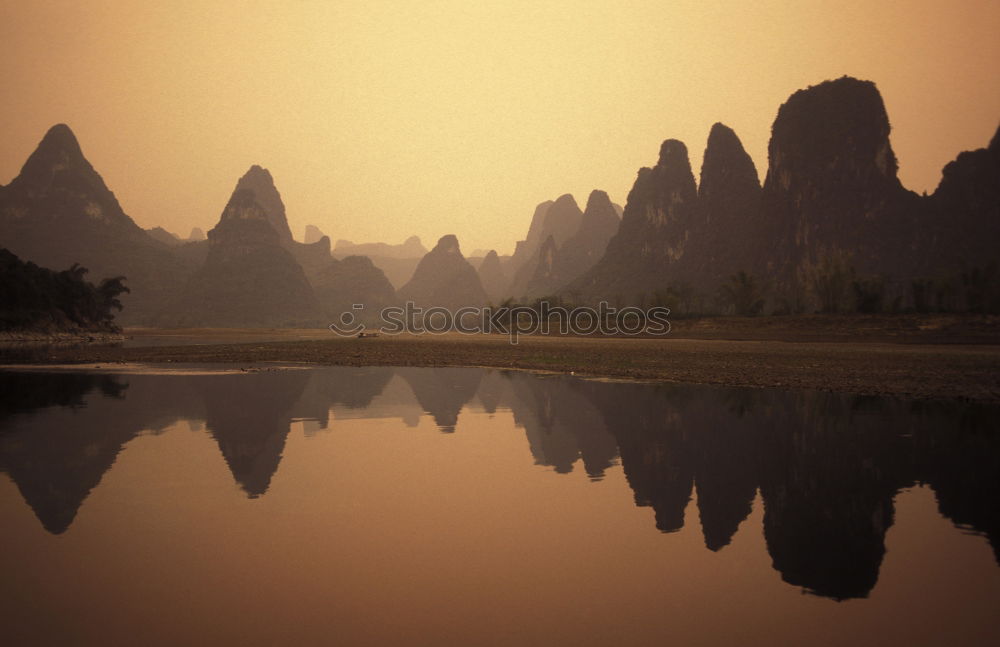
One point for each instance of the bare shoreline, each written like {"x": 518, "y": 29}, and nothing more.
{"x": 914, "y": 367}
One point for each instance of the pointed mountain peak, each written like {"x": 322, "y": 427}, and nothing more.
{"x": 562, "y": 220}
{"x": 444, "y": 278}
{"x": 722, "y": 136}
{"x": 541, "y": 209}
{"x": 257, "y": 178}
{"x": 581, "y": 251}
{"x": 59, "y": 150}
{"x": 258, "y": 182}
{"x": 672, "y": 173}
{"x": 599, "y": 221}
{"x": 673, "y": 152}
{"x": 60, "y": 137}
{"x": 491, "y": 256}
{"x": 838, "y": 130}
{"x": 448, "y": 244}
{"x": 57, "y": 172}
{"x": 598, "y": 202}
{"x": 565, "y": 201}
{"x": 726, "y": 166}
{"x": 412, "y": 248}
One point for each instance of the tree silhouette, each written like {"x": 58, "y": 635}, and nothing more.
{"x": 36, "y": 298}
{"x": 742, "y": 294}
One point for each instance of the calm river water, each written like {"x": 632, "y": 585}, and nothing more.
{"x": 418, "y": 506}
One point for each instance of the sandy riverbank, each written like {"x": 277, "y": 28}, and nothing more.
{"x": 917, "y": 364}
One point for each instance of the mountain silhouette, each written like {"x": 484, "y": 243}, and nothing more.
{"x": 582, "y": 250}
{"x": 558, "y": 221}
{"x": 831, "y": 212}
{"x": 249, "y": 277}
{"x": 58, "y": 212}
{"x": 444, "y": 278}
{"x": 654, "y": 233}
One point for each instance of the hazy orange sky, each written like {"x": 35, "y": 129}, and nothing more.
{"x": 383, "y": 119}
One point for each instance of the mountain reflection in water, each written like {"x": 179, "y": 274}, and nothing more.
{"x": 827, "y": 467}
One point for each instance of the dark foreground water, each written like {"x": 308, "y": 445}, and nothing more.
{"x": 452, "y": 506}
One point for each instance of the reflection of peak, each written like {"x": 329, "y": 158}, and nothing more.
{"x": 249, "y": 416}
{"x": 57, "y": 459}
{"x": 561, "y": 424}
{"x": 351, "y": 387}
{"x": 828, "y": 490}
{"x": 827, "y": 467}
{"x": 654, "y": 453}
{"x": 442, "y": 392}
{"x": 962, "y": 466}
{"x": 726, "y": 482}
{"x": 494, "y": 390}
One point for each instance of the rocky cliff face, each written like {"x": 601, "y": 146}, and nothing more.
{"x": 831, "y": 186}
{"x": 58, "y": 212}
{"x": 493, "y": 277}
{"x": 831, "y": 198}
{"x": 249, "y": 278}
{"x": 728, "y": 201}
{"x": 444, "y": 278}
{"x": 966, "y": 209}
{"x": 661, "y": 210}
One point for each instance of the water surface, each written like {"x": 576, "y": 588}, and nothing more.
{"x": 473, "y": 506}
